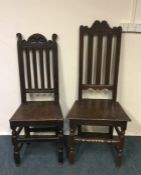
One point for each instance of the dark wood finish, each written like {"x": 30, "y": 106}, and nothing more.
{"x": 108, "y": 58}
{"x": 98, "y": 112}
{"x": 42, "y": 68}
{"x": 100, "y": 30}
{"x": 117, "y": 66}
{"x": 81, "y": 40}
{"x": 28, "y": 68}
{"x": 48, "y": 68}
{"x": 99, "y": 59}
{"x": 37, "y": 116}
{"x": 35, "y": 68}
{"x": 98, "y": 109}
{"x": 37, "y": 111}
{"x": 89, "y": 69}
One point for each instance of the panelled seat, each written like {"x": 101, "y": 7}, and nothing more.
{"x": 97, "y": 110}
{"x": 32, "y": 112}
{"x": 99, "y": 53}
{"x": 38, "y": 69}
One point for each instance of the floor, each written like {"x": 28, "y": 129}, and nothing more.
{"x": 92, "y": 159}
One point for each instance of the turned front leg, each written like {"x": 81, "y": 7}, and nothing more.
{"x": 60, "y": 145}
{"x": 16, "y": 148}
{"x": 120, "y": 147}
{"x": 71, "y": 145}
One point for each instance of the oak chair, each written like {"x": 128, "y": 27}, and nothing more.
{"x": 38, "y": 69}
{"x": 99, "y": 54}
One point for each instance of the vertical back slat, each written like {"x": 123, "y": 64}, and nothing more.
{"x": 99, "y": 59}
{"x": 41, "y": 68}
{"x": 48, "y": 68}
{"x": 108, "y": 59}
{"x": 28, "y": 68}
{"x": 89, "y": 60}
{"x": 35, "y": 68}
{"x": 94, "y": 56}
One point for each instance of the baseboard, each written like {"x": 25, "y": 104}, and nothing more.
{"x": 66, "y": 135}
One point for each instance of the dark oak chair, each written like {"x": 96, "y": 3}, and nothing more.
{"x": 38, "y": 69}
{"x": 99, "y": 54}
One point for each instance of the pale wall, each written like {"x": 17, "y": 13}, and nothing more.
{"x": 64, "y": 17}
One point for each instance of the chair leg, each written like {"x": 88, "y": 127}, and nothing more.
{"x": 16, "y": 148}
{"x": 120, "y": 147}
{"x": 71, "y": 146}
{"x": 111, "y": 132}
{"x": 26, "y": 130}
{"x": 61, "y": 146}
{"x": 27, "y": 133}
{"x": 79, "y": 129}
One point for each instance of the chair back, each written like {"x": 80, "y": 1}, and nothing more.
{"x": 38, "y": 65}
{"x": 99, "y": 54}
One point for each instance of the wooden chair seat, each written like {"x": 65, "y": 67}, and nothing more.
{"x": 97, "y": 110}
{"x": 35, "y": 112}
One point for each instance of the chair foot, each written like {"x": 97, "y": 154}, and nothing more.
{"x": 17, "y": 158}
{"x": 60, "y": 154}
{"x": 28, "y": 144}
{"x": 119, "y": 159}
{"x": 71, "y": 156}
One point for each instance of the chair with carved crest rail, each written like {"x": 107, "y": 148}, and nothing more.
{"x": 98, "y": 70}
{"x": 38, "y": 69}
